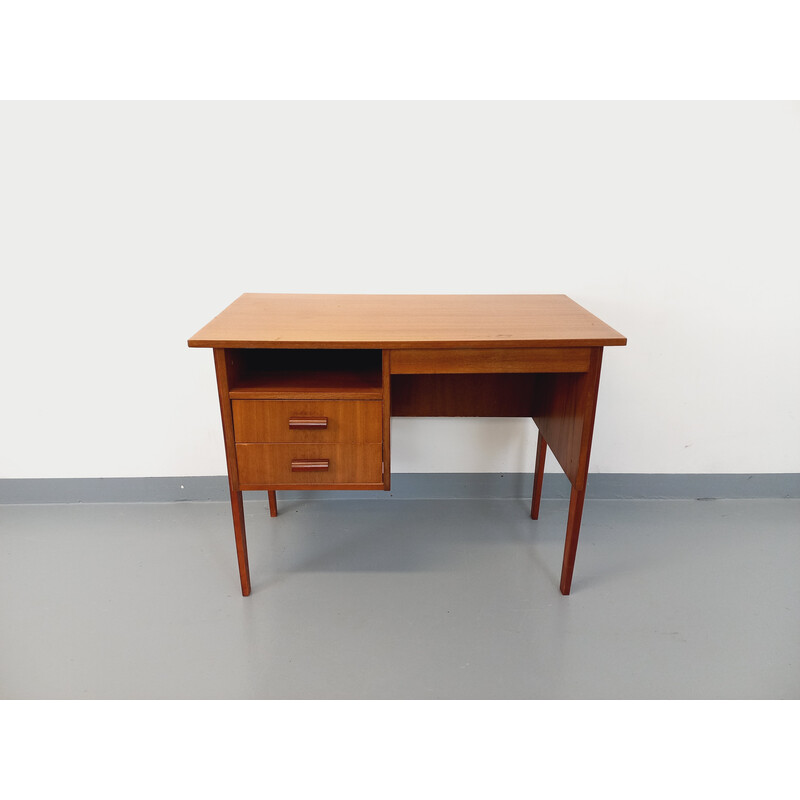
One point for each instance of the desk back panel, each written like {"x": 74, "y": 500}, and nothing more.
{"x": 473, "y": 395}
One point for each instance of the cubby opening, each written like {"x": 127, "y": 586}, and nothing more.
{"x": 299, "y": 373}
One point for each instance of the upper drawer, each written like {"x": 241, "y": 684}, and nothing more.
{"x": 355, "y": 421}
{"x": 490, "y": 360}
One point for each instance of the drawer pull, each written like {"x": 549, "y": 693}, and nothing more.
{"x": 309, "y": 464}
{"x": 308, "y": 423}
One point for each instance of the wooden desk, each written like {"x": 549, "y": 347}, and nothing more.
{"x": 308, "y": 385}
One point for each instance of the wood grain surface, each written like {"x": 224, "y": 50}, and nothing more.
{"x": 271, "y": 464}
{"x": 490, "y": 360}
{"x": 354, "y": 421}
{"x": 399, "y": 321}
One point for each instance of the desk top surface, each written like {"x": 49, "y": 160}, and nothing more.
{"x": 394, "y": 321}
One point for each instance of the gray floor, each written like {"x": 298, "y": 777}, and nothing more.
{"x": 401, "y": 599}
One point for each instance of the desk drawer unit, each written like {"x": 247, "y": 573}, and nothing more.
{"x": 308, "y": 442}
{"x": 308, "y": 464}
{"x": 352, "y": 421}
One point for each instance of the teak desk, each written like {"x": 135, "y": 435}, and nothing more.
{"x": 308, "y": 385}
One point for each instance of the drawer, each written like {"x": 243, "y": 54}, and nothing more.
{"x": 308, "y": 464}
{"x": 490, "y": 360}
{"x": 352, "y": 421}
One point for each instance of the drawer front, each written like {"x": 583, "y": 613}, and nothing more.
{"x": 352, "y": 421}
{"x": 308, "y": 464}
{"x": 490, "y": 360}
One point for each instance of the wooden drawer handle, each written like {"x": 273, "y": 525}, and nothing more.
{"x": 308, "y": 423}
{"x": 309, "y": 464}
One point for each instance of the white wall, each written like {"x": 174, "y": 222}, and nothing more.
{"x": 126, "y": 226}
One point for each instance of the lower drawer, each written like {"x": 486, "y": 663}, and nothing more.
{"x": 308, "y": 464}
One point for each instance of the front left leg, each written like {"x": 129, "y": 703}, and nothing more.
{"x": 237, "y": 507}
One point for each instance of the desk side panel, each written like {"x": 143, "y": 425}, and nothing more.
{"x": 386, "y": 381}
{"x": 565, "y": 409}
{"x": 226, "y": 368}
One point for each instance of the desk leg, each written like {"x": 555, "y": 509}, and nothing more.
{"x": 565, "y": 417}
{"x": 273, "y": 503}
{"x": 225, "y": 365}
{"x": 237, "y": 508}
{"x": 538, "y": 475}
{"x": 571, "y": 544}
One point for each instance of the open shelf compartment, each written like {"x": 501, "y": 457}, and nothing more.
{"x": 296, "y": 373}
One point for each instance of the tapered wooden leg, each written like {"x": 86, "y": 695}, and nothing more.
{"x": 538, "y": 475}
{"x": 241, "y": 541}
{"x": 571, "y": 544}
{"x": 273, "y": 503}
